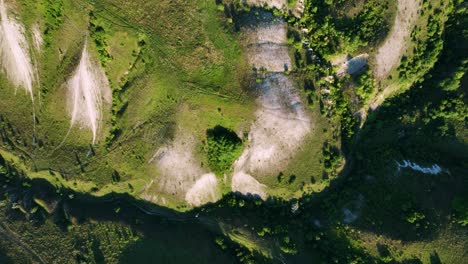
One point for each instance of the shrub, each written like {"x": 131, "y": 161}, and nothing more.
{"x": 223, "y": 148}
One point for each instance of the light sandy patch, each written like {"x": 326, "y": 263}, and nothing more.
{"x": 87, "y": 89}
{"x": 14, "y": 49}
{"x": 181, "y": 174}
{"x": 279, "y": 129}
{"x": 37, "y": 37}
{"x": 298, "y": 9}
{"x": 178, "y": 168}
{"x": 204, "y": 190}
{"x": 266, "y": 45}
{"x": 390, "y": 53}
{"x": 269, "y": 33}
{"x": 248, "y": 185}
{"x": 281, "y": 124}
{"x": 269, "y": 56}
{"x": 281, "y": 121}
{"x": 279, "y": 4}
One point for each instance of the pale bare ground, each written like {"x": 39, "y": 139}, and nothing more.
{"x": 390, "y": 53}
{"x": 245, "y": 183}
{"x": 181, "y": 174}
{"x": 280, "y": 127}
{"x": 14, "y": 49}
{"x": 270, "y": 57}
{"x": 88, "y": 88}
{"x": 279, "y": 4}
{"x": 297, "y": 10}
{"x": 281, "y": 121}
{"x": 37, "y": 37}
{"x": 270, "y": 33}
{"x": 203, "y": 191}
{"x": 266, "y": 46}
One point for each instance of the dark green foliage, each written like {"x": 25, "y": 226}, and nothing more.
{"x": 364, "y": 87}
{"x": 99, "y": 35}
{"x": 330, "y": 30}
{"x": 53, "y": 18}
{"x": 460, "y": 206}
{"x": 223, "y": 147}
{"x": 332, "y": 157}
{"x": 371, "y": 24}
{"x": 426, "y": 49}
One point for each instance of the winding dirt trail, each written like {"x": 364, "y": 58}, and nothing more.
{"x": 14, "y": 51}
{"x": 87, "y": 89}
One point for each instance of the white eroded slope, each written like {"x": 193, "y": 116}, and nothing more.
{"x": 14, "y": 49}
{"x": 181, "y": 174}
{"x": 281, "y": 122}
{"x": 86, "y": 90}
{"x": 37, "y": 37}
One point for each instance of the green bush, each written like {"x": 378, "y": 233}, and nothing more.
{"x": 223, "y": 147}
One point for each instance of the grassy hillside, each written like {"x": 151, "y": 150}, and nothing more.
{"x": 360, "y": 189}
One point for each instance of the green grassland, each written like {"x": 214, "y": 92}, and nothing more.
{"x": 184, "y": 70}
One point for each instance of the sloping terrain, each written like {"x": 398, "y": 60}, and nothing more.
{"x": 88, "y": 91}
{"x": 281, "y": 121}
{"x": 233, "y": 131}
{"x": 15, "y": 51}
{"x": 390, "y": 53}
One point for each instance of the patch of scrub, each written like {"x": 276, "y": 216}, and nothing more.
{"x": 204, "y": 190}
{"x": 434, "y": 169}
{"x": 390, "y": 53}
{"x": 281, "y": 122}
{"x": 87, "y": 89}
{"x": 14, "y": 49}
